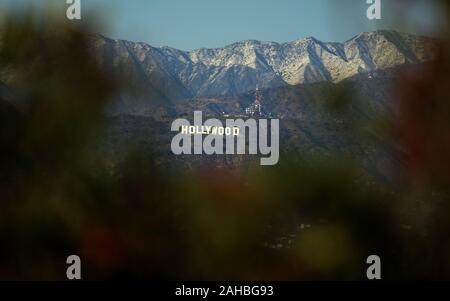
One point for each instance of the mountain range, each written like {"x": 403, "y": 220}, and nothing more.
{"x": 299, "y": 81}
{"x": 160, "y": 77}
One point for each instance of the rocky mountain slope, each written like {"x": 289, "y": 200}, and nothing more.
{"x": 313, "y": 122}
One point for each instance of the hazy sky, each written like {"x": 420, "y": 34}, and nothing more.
{"x": 191, "y": 24}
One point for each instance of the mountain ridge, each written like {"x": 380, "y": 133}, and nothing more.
{"x": 179, "y": 76}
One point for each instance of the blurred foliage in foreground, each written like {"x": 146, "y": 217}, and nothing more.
{"x": 296, "y": 221}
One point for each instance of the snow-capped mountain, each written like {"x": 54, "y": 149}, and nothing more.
{"x": 173, "y": 75}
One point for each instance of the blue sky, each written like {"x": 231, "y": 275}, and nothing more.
{"x": 191, "y": 24}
